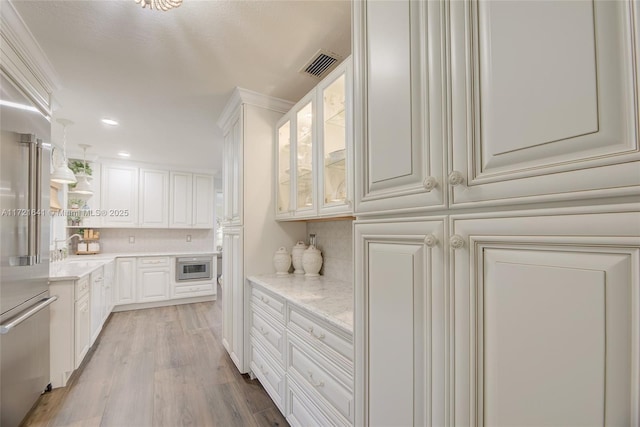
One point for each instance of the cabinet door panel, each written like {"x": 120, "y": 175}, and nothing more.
{"x": 153, "y": 285}
{"x": 399, "y": 309}
{"x": 181, "y": 203}
{"x": 154, "y": 198}
{"x": 543, "y": 314}
{"x": 233, "y": 297}
{"x": 120, "y": 195}
{"x": 202, "y": 201}
{"x": 398, "y": 106}
{"x": 535, "y": 105}
{"x": 125, "y": 281}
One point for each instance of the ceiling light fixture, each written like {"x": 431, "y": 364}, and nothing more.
{"x": 62, "y": 174}
{"x": 123, "y": 154}
{"x": 110, "y": 122}
{"x": 84, "y": 186}
{"x": 160, "y": 4}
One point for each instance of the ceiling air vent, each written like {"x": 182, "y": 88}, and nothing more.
{"x": 321, "y": 63}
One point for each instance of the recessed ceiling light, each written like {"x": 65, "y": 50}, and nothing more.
{"x": 124, "y": 154}
{"x": 110, "y": 122}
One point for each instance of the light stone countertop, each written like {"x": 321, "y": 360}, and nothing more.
{"x": 77, "y": 266}
{"x": 328, "y": 298}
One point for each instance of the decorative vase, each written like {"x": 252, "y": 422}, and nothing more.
{"x": 282, "y": 261}
{"x": 296, "y": 256}
{"x": 312, "y": 261}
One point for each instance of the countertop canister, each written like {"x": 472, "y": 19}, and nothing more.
{"x": 282, "y": 261}
{"x": 312, "y": 261}
{"x": 296, "y": 256}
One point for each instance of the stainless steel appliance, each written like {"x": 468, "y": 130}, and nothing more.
{"x": 193, "y": 268}
{"x": 24, "y": 253}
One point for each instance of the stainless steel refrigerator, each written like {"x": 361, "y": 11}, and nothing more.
{"x": 24, "y": 253}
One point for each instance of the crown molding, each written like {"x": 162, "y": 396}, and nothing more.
{"x": 242, "y": 96}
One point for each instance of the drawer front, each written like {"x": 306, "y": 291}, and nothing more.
{"x": 271, "y": 376}
{"x": 302, "y": 412}
{"x": 193, "y": 290}
{"x": 320, "y": 334}
{"x": 82, "y": 287}
{"x": 269, "y": 303}
{"x": 269, "y": 333}
{"x": 153, "y": 262}
{"x": 319, "y": 375}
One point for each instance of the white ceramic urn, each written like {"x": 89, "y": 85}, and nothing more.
{"x": 282, "y": 261}
{"x": 296, "y": 256}
{"x": 312, "y": 261}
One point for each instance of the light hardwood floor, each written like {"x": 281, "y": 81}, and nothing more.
{"x": 160, "y": 367}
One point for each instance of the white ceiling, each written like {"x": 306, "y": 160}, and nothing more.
{"x": 166, "y": 76}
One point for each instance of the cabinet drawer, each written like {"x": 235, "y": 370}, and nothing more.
{"x": 269, "y": 303}
{"x": 320, "y": 334}
{"x": 82, "y": 287}
{"x": 271, "y": 376}
{"x": 193, "y": 290}
{"x": 270, "y": 333}
{"x": 153, "y": 262}
{"x": 302, "y": 412}
{"x": 320, "y": 376}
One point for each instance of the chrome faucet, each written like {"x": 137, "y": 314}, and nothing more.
{"x": 67, "y": 240}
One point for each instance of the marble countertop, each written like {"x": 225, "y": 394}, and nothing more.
{"x": 77, "y": 266}
{"x": 329, "y": 298}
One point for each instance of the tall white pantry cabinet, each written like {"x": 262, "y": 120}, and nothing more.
{"x": 497, "y": 240}
{"x": 250, "y": 233}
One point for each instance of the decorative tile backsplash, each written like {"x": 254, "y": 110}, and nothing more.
{"x": 335, "y": 240}
{"x": 156, "y": 240}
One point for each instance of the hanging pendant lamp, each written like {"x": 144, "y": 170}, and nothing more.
{"x": 84, "y": 186}
{"x": 62, "y": 174}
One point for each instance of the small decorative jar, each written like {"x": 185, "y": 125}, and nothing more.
{"x": 282, "y": 261}
{"x": 296, "y": 255}
{"x": 312, "y": 261}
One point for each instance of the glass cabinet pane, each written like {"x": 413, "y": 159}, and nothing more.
{"x": 304, "y": 158}
{"x": 284, "y": 165}
{"x": 334, "y": 142}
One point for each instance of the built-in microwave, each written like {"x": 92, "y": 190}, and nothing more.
{"x": 193, "y": 268}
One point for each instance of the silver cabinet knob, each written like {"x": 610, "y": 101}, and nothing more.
{"x": 456, "y": 178}
{"x": 456, "y": 242}
{"x": 430, "y": 240}
{"x": 430, "y": 183}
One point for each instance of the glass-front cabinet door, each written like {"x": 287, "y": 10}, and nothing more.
{"x": 305, "y": 191}
{"x": 334, "y": 139}
{"x": 284, "y": 208}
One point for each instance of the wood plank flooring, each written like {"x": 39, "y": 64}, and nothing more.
{"x": 160, "y": 367}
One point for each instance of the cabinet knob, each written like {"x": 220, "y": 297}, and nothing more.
{"x": 456, "y": 242}
{"x": 430, "y": 183}
{"x": 456, "y": 178}
{"x": 430, "y": 240}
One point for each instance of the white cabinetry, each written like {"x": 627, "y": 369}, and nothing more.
{"x": 119, "y": 195}
{"x": 191, "y": 200}
{"x": 153, "y": 279}
{"x": 304, "y": 362}
{"x": 98, "y": 300}
{"x": 492, "y": 104}
{"x": 313, "y": 151}
{"x": 233, "y": 296}
{"x": 82, "y": 327}
{"x": 154, "y": 198}
{"x": 125, "y": 281}
{"x": 248, "y": 124}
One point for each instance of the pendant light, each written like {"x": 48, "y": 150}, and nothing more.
{"x": 84, "y": 186}
{"x": 62, "y": 174}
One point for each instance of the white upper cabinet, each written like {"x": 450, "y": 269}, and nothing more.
{"x": 544, "y": 100}
{"x": 154, "y": 198}
{"x": 119, "y": 191}
{"x": 190, "y": 200}
{"x": 232, "y": 175}
{"x": 508, "y": 107}
{"x": 399, "y": 114}
{"x": 314, "y": 151}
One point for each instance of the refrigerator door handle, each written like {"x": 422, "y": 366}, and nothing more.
{"x": 12, "y": 323}
{"x": 37, "y": 215}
